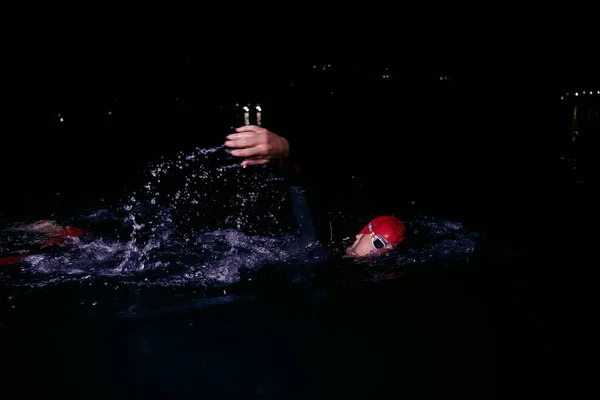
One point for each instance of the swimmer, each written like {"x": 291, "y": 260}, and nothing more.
{"x": 382, "y": 234}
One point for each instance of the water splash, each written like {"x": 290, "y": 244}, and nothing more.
{"x": 192, "y": 219}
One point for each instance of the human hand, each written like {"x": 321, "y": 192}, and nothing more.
{"x": 257, "y": 145}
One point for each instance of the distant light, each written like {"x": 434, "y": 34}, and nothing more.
{"x": 314, "y": 66}
{"x": 562, "y": 98}
{"x": 583, "y": 92}
{"x": 110, "y": 113}
{"x": 576, "y": 94}
{"x": 441, "y": 78}
{"x": 61, "y": 119}
{"x": 598, "y": 92}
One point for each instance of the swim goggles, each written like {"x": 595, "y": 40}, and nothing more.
{"x": 377, "y": 240}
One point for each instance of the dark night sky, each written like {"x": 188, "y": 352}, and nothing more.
{"x": 80, "y": 64}
{"x": 106, "y": 50}
{"x": 507, "y": 70}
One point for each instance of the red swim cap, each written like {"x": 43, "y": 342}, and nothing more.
{"x": 390, "y": 228}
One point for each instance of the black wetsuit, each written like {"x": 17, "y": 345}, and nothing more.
{"x": 299, "y": 204}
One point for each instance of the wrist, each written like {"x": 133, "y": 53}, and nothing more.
{"x": 285, "y": 148}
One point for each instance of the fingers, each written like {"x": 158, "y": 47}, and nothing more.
{"x": 250, "y": 142}
{"x": 239, "y": 136}
{"x": 249, "y": 128}
{"x": 241, "y": 143}
{"x": 246, "y": 131}
{"x": 254, "y": 161}
{"x": 245, "y": 138}
{"x": 247, "y": 152}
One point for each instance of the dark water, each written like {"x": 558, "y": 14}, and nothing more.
{"x": 191, "y": 280}
{"x": 183, "y": 287}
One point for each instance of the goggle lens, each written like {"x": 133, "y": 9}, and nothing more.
{"x": 378, "y": 243}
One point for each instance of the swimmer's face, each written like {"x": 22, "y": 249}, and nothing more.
{"x": 364, "y": 246}
{"x": 378, "y": 236}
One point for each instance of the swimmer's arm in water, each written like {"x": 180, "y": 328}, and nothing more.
{"x": 10, "y": 260}
{"x": 44, "y": 226}
{"x": 53, "y": 234}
